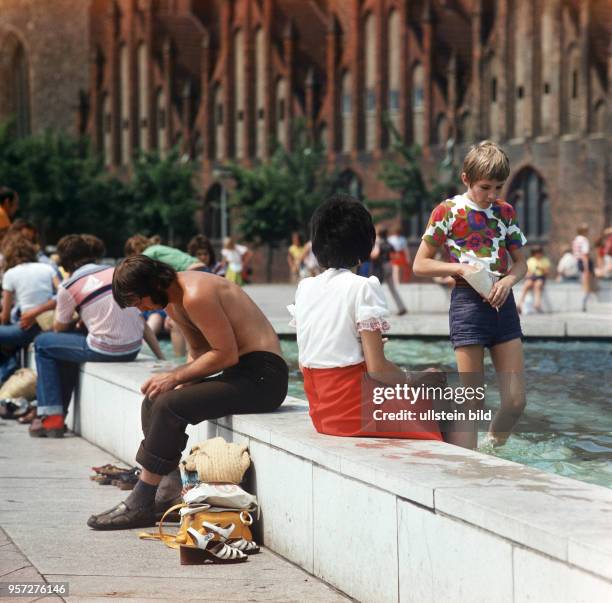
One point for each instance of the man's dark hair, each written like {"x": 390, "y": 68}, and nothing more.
{"x": 342, "y": 232}
{"x": 96, "y": 245}
{"x": 6, "y": 194}
{"x": 140, "y": 276}
{"x": 75, "y": 251}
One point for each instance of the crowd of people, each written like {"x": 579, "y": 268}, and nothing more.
{"x": 74, "y": 308}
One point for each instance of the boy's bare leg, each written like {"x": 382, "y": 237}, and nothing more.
{"x": 470, "y": 364}
{"x": 509, "y": 364}
{"x": 156, "y": 322}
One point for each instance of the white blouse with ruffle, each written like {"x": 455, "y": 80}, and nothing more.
{"x": 329, "y": 312}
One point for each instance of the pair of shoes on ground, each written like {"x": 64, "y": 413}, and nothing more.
{"x": 213, "y": 544}
{"x": 125, "y": 478}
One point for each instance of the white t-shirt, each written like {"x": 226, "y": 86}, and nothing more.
{"x": 30, "y": 283}
{"x": 329, "y": 311}
{"x": 398, "y": 242}
{"x": 233, "y": 257}
{"x": 580, "y": 246}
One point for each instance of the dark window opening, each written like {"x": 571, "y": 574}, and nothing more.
{"x": 260, "y": 113}
{"x": 494, "y": 90}
{"x": 546, "y": 88}
{"x": 219, "y": 114}
{"x": 107, "y": 123}
{"x": 240, "y": 115}
{"x": 575, "y": 84}
{"x": 520, "y": 92}
{"x": 281, "y": 109}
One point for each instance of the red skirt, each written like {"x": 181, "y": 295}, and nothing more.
{"x": 340, "y": 401}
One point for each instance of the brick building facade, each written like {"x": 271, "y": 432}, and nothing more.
{"x": 221, "y": 78}
{"x": 43, "y": 63}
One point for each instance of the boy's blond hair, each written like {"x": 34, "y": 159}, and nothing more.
{"x": 486, "y": 161}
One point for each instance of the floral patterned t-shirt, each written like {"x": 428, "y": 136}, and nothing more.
{"x": 472, "y": 233}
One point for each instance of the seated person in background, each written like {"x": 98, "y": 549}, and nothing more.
{"x": 179, "y": 260}
{"x": 567, "y": 268}
{"x": 538, "y": 269}
{"x": 603, "y": 269}
{"x": 114, "y": 335}
{"x": 201, "y": 248}
{"x": 28, "y": 286}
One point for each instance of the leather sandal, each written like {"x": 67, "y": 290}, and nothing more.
{"x": 208, "y": 549}
{"x": 120, "y": 517}
{"x": 248, "y": 547}
{"x": 28, "y": 417}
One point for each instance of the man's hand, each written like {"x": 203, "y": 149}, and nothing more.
{"x": 500, "y": 291}
{"x": 27, "y": 320}
{"x": 158, "y": 384}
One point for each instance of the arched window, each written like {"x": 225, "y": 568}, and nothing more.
{"x": 323, "y": 136}
{"x": 349, "y": 182}
{"x": 548, "y": 91}
{"x": 418, "y": 104}
{"x": 395, "y": 68}
{"x": 369, "y": 101}
{"x": 465, "y": 129}
{"x": 442, "y": 129}
{"x": 239, "y": 94}
{"x": 107, "y": 130}
{"x": 143, "y": 96}
{"x": 218, "y": 122}
{"x": 281, "y": 111}
{"x": 599, "y": 117}
{"x": 124, "y": 104}
{"x": 15, "y": 87}
{"x": 527, "y": 193}
{"x": 492, "y": 114}
{"x": 521, "y": 68}
{"x": 572, "y": 89}
{"x": 260, "y": 92}
{"x": 162, "y": 126}
{"x": 347, "y": 112}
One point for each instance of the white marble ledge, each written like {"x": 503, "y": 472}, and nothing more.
{"x": 566, "y": 519}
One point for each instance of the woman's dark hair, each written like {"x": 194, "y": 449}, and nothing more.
{"x": 75, "y": 251}
{"x": 342, "y": 232}
{"x": 200, "y": 242}
{"x": 140, "y": 276}
{"x": 6, "y": 194}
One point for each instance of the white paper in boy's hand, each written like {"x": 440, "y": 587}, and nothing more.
{"x": 480, "y": 279}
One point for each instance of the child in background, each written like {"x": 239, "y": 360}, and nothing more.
{"x": 479, "y": 228}
{"x": 234, "y": 256}
{"x": 538, "y": 269}
{"x": 340, "y": 318}
{"x": 567, "y": 268}
{"x": 581, "y": 248}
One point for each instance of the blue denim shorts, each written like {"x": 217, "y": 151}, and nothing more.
{"x": 473, "y": 321}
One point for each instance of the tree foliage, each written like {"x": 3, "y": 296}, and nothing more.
{"x": 63, "y": 188}
{"x": 280, "y": 195}
{"x": 402, "y": 172}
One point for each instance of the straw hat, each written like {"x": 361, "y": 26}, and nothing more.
{"x": 216, "y": 460}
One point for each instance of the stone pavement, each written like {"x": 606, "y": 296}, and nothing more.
{"x": 45, "y": 500}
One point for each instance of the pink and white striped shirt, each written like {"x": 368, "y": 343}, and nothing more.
{"x": 88, "y": 292}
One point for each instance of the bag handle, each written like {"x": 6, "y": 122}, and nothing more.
{"x": 168, "y": 539}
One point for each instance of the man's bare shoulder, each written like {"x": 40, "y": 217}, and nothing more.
{"x": 200, "y": 287}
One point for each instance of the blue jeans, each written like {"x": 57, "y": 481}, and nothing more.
{"x": 58, "y": 356}
{"x": 13, "y": 336}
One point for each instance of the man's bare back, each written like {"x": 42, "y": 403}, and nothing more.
{"x": 209, "y": 300}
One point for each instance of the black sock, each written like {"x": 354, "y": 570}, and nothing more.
{"x": 143, "y": 495}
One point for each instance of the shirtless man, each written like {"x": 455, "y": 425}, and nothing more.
{"x": 225, "y": 331}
